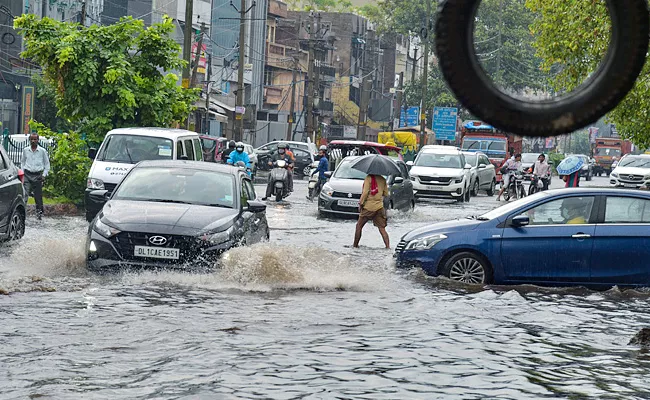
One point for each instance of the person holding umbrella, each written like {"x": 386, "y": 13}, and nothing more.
{"x": 569, "y": 169}
{"x": 375, "y": 190}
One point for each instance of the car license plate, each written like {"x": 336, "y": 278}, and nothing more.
{"x": 348, "y": 203}
{"x": 157, "y": 252}
{"x": 630, "y": 185}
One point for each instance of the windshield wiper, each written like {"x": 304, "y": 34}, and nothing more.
{"x": 169, "y": 201}
{"x": 218, "y": 205}
{"x": 128, "y": 153}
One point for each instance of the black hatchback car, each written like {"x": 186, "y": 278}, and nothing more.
{"x": 12, "y": 199}
{"x": 181, "y": 214}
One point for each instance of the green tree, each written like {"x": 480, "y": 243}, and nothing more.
{"x": 573, "y": 37}
{"x": 110, "y": 76}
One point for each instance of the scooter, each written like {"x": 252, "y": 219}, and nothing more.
{"x": 242, "y": 165}
{"x": 279, "y": 179}
{"x": 314, "y": 184}
{"x": 515, "y": 189}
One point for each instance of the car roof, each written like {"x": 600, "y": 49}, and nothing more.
{"x": 197, "y": 165}
{"x": 441, "y": 150}
{"x": 167, "y": 133}
{"x": 600, "y": 192}
{"x": 362, "y": 143}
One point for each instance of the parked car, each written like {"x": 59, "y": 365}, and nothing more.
{"x": 123, "y": 148}
{"x": 302, "y": 164}
{"x": 341, "y": 194}
{"x": 483, "y": 174}
{"x": 12, "y": 199}
{"x": 175, "y": 213}
{"x": 252, "y": 156}
{"x": 439, "y": 172}
{"x": 583, "y": 236}
{"x": 631, "y": 172}
{"x": 337, "y": 150}
{"x": 587, "y": 170}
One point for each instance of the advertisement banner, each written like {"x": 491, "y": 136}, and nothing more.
{"x": 593, "y": 135}
{"x": 27, "y": 112}
{"x": 201, "y": 69}
{"x": 550, "y": 142}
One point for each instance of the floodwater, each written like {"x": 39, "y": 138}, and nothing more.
{"x": 304, "y": 317}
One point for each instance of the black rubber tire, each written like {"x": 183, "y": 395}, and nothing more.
{"x": 278, "y": 196}
{"x": 606, "y": 87}
{"x": 446, "y": 268}
{"x": 476, "y": 188}
{"x": 16, "y": 227}
{"x": 491, "y": 190}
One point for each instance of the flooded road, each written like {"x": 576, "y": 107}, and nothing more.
{"x": 304, "y": 316}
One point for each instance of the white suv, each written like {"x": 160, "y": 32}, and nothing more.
{"x": 441, "y": 172}
{"x": 632, "y": 172}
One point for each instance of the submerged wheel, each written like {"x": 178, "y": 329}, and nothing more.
{"x": 467, "y": 267}
{"x": 16, "y": 228}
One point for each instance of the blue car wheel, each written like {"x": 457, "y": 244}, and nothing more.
{"x": 468, "y": 268}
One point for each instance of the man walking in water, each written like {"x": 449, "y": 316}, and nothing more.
{"x": 36, "y": 163}
{"x": 371, "y": 207}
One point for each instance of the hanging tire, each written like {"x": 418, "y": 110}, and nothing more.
{"x": 468, "y": 268}
{"x": 491, "y": 190}
{"x": 461, "y": 69}
{"x": 16, "y": 229}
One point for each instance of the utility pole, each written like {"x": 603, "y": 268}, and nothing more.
{"x": 366, "y": 88}
{"x": 207, "y": 96}
{"x": 44, "y": 9}
{"x": 293, "y": 97}
{"x": 423, "y": 119}
{"x": 197, "y": 57}
{"x": 415, "y": 63}
{"x": 83, "y": 14}
{"x": 498, "y": 71}
{"x": 239, "y": 118}
{"x": 309, "y": 120}
{"x": 400, "y": 98}
{"x": 187, "y": 42}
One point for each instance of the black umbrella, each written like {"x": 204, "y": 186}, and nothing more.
{"x": 375, "y": 164}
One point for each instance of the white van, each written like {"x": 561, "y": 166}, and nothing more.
{"x": 123, "y": 148}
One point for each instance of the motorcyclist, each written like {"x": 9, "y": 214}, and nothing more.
{"x": 281, "y": 155}
{"x": 225, "y": 153}
{"x": 509, "y": 167}
{"x": 323, "y": 166}
{"x": 239, "y": 155}
{"x": 542, "y": 170}
{"x": 574, "y": 210}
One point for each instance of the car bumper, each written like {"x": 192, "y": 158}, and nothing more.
{"x": 452, "y": 190}
{"x": 428, "y": 260}
{"x": 103, "y": 255}
{"x": 330, "y": 205}
{"x": 623, "y": 183}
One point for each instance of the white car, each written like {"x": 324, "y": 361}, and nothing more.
{"x": 631, "y": 172}
{"x": 252, "y": 156}
{"x": 483, "y": 173}
{"x": 440, "y": 172}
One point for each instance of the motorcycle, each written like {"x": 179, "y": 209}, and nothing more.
{"x": 242, "y": 165}
{"x": 314, "y": 182}
{"x": 515, "y": 189}
{"x": 536, "y": 185}
{"x": 279, "y": 179}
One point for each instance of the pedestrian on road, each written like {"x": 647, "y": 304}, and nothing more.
{"x": 371, "y": 207}
{"x": 35, "y": 163}
{"x": 572, "y": 180}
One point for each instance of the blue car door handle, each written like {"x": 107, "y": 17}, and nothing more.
{"x": 581, "y": 236}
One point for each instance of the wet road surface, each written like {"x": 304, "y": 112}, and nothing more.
{"x": 304, "y": 316}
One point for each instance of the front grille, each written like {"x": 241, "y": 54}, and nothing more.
{"x": 631, "y": 178}
{"x": 110, "y": 186}
{"x": 189, "y": 247}
{"x": 435, "y": 180}
{"x": 433, "y": 193}
{"x": 343, "y": 195}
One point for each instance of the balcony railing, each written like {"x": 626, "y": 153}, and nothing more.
{"x": 280, "y": 56}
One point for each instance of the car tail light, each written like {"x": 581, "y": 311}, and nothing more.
{"x": 21, "y": 175}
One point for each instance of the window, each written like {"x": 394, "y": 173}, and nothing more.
{"x": 273, "y": 117}
{"x": 405, "y": 173}
{"x": 261, "y": 116}
{"x": 197, "y": 149}
{"x": 301, "y": 154}
{"x": 627, "y": 210}
{"x": 179, "y": 150}
{"x": 248, "y": 186}
{"x": 3, "y": 163}
{"x": 570, "y": 210}
{"x": 189, "y": 149}
{"x": 483, "y": 160}
{"x": 132, "y": 149}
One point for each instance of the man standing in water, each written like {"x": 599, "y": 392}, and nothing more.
{"x": 36, "y": 164}
{"x": 371, "y": 207}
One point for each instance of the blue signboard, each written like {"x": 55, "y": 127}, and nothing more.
{"x": 412, "y": 117}
{"x": 444, "y": 122}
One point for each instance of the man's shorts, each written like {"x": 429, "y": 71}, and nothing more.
{"x": 377, "y": 217}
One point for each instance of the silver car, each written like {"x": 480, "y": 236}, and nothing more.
{"x": 483, "y": 173}
{"x": 341, "y": 194}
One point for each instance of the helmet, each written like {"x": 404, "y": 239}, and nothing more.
{"x": 231, "y": 144}
{"x": 282, "y": 145}
{"x": 239, "y": 146}
{"x": 322, "y": 148}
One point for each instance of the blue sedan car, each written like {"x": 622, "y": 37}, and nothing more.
{"x": 591, "y": 237}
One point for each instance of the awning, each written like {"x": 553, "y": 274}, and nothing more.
{"x": 218, "y": 117}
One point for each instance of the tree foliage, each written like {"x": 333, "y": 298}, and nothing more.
{"x": 573, "y": 37}
{"x": 109, "y": 76}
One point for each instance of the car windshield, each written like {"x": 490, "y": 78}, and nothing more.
{"x": 439, "y": 160}
{"x": 132, "y": 149}
{"x": 178, "y": 185}
{"x": 345, "y": 171}
{"x": 529, "y": 158}
{"x": 604, "y": 151}
{"x": 471, "y": 159}
{"x": 635, "y": 162}
{"x": 508, "y": 208}
{"x": 484, "y": 145}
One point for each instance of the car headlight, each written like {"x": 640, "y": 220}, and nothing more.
{"x": 328, "y": 190}
{"x": 219, "y": 237}
{"x": 459, "y": 179}
{"x": 105, "y": 230}
{"x": 95, "y": 184}
{"x": 426, "y": 242}
{"x": 646, "y": 177}
{"x": 614, "y": 174}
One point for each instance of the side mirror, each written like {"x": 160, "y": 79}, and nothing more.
{"x": 328, "y": 174}
{"x": 482, "y": 166}
{"x": 92, "y": 153}
{"x": 255, "y": 206}
{"x": 398, "y": 180}
{"x": 468, "y": 166}
{"x": 100, "y": 196}
{"x": 520, "y": 220}
{"x": 410, "y": 163}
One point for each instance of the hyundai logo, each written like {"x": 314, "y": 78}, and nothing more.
{"x": 158, "y": 240}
